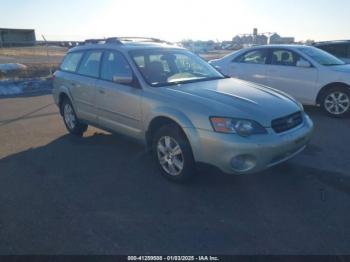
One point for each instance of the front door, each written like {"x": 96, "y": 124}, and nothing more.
{"x": 288, "y": 72}
{"x": 118, "y": 105}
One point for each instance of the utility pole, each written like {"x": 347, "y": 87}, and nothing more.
{"x": 47, "y": 53}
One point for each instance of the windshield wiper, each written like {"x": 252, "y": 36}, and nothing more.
{"x": 333, "y": 64}
{"x": 199, "y": 80}
{"x": 188, "y": 81}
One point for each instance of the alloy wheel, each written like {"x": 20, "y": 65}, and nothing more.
{"x": 69, "y": 116}
{"x": 170, "y": 155}
{"x": 337, "y": 103}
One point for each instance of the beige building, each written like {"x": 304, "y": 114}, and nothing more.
{"x": 245, "y": 40}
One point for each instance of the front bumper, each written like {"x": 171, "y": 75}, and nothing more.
{"x": 264, "y": 151}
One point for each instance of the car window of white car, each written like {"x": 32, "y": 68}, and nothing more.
{"x": 282, "y": 57}
{"x": 252, "y": 57}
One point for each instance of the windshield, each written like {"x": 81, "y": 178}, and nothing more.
{"x": 321, "y": 56}
{"x": 162, "y": 67}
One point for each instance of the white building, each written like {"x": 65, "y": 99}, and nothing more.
{"x": 277, "y": 39}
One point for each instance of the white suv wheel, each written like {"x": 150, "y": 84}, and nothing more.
{"x": 337, "y": 103}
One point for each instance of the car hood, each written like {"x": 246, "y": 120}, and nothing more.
{"x": 235, "y": 98}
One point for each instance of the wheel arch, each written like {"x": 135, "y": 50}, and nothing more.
{"x": 63, "y": 92}
{"x": 158, "y": 122}
{"x": 167, "y": 115}
{"x": 328, "y": 87}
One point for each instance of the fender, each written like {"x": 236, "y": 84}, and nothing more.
{"x": 181, "y": 119}
{"x": 163, "y": 111}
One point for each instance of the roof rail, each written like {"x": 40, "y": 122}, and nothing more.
{"x": 113, "y": 40}
{"x": 94, "y": 41}
{"x": 118, "y": 40}
{"x": 141, "y": 39}
{"x": 110, "y": 40}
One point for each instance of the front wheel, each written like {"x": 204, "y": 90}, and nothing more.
{"x": 336, "y": 102}
{"x": 173, "y": 154}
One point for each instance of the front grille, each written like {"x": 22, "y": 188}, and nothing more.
{"x": 286, "y": 123}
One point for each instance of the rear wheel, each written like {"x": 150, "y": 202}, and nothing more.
{"x": 336, "y": 102}
{"x": 73, "y": 125}
{"x": 173, "y": 154}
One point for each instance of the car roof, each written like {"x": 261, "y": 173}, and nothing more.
{"x": 335, "y": 42}
{"x": 278, "y": 46}
{"x": 126, "y": 45}
{"x": 295, "y": 47}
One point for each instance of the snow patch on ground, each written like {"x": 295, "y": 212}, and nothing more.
{"x": 10, "y": 87}
{"x": 6, "y": 90}
{"x": 4, "y": 68}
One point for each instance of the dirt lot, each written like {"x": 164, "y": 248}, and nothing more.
{"x": 39, "y": 60}
{"x": 101, "y": 194}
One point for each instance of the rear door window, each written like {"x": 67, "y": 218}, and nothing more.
{"x": 71, "y": 61}
{"x": 284, "y": 57}
{"x": 90, "y": 65}
{"x": 253, "y": 57}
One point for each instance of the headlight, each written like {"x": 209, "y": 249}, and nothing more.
{"x": 241, "y": 127}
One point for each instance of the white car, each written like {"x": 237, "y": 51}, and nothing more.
{"x": 311, "y": 75}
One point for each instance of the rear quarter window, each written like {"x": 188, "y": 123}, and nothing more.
{"x": 71, "y": 61}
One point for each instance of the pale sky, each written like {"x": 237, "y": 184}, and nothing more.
{"x": 174, "y": 20}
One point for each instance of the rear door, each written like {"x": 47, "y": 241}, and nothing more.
{"x": 285, "y": 73}
{"x": 83, "y": 88}
{"x": 250, "y": 66}
{"x": 118, "y": 105}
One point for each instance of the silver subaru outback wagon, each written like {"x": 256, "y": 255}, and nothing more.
{"x": 179, "y": 106}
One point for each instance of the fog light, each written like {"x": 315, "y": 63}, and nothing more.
{"x": 243, "y": 163}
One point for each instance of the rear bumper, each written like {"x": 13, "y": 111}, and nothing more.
{"x": 263, "y": 151}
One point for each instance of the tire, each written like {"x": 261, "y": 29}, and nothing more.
{"x": 336, "y": 102}
{"x": 173, "y": 154}
{"x": 72, "y": 123}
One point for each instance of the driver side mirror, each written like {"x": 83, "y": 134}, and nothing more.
{"x": 125, "y": 80}
{"x": 303, "y": 63}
